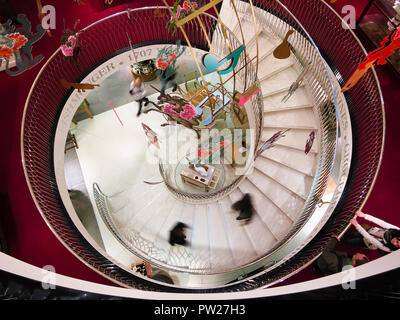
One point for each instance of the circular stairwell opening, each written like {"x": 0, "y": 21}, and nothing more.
{"x": 295, "y": 183}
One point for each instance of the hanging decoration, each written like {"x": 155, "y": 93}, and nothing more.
{"x": 176, "y": 109}
{"x": 379, "y": 56}
{"x": 152, "y": 137}
{"x": 283, "y": 50}
{"x": 180, "y": 12}
{"x": 187, "y": 113}
{"x": 211, "y": 62}
{"x": 295, "y": 85}
{"x": 69, "y": 43}
{"x": 18, "y": 42}
{"x": 309, "y": 142}
{"x": 82, "y": 87}
{"x": 241, "y": 99}
{"x": 270, "y": 142}
{"x": 166, "y": 60}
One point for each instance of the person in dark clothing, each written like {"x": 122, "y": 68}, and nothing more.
{"x": 166, "y": 76}
{"x": 332, "y": 261}
{"x": 177, "y": 234}
{"x": 244, "y": 207}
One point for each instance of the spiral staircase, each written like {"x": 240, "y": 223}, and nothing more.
{"x": 299, "y": 199}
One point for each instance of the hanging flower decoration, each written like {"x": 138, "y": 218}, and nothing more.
{"x": 188, "y": 111}
{"x": 180, "y": 12}
{"x": 11, "y": 43}
{"x": 68, "y": 48}
{"x": 187, "y": 7}
{"x": 161, "y": 64}
{"x": 17, "y": 42}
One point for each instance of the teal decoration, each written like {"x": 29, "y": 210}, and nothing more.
{"x": 211, "y": 62}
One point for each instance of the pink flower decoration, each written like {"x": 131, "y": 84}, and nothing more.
{"x": 72, "y": 40}
{"x": 188, "y": 112}
{"x": 68, "y": 50}
{"x": 178, "y": 14}
{"x": 169, "y": 109}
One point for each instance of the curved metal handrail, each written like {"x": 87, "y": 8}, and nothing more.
{"x": 36, "y": 153}
{"x": 322, "y": 91}
{"x": 368, "y": 120}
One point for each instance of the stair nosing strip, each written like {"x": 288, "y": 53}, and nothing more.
{"x": 283, "y": 109}
{"x": 290, "y": 127}
{"x": 273, "y": 93}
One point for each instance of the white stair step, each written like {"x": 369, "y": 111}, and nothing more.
{"x": 297, "y": 160}
{"x": 283, "y": 182}
{"x": 285, "y": 200}
{"x": 221, "y": 252}
{"x": 283, "y": 79}
{"x": 262, "y": 237}
{"x": 187, "y": 217}
{"x": 241, "y": 245}
{"x": 295, "y": 138}
{"x": 181, "y": 255}
{"x": 265, "y": 46}
{"x": 271, "y": 66}
{"x": 289, "y": 118}
{"x": 297, "y": 182}
{"x": 162, "y": 234}
{"x": 153, "y": 225}
{"x": 150, "y": 212}
{"x": 199, "y": 242}
{"x": 295, "y": 147}
{"x": 275, "y": 219}
{"x": 248, "y": 31}
{"x": 141, "y": 203}
{"x": 121, "y": 199}
{"x": 299, "y": 97}
{"x": 275, "y": 92}
{"x": 271, "y": 109}
{"x": 123, "y": 207}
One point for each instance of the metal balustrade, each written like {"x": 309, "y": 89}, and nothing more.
{"x": 364, "y": 100}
